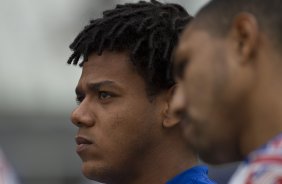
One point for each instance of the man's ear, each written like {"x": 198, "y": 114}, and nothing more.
{"x": 171, "y": 117}
{"x": 244, "y": 33}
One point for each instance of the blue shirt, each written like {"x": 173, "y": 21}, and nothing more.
{"x": 194, "y": 175}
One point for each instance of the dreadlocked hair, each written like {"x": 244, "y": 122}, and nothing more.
{"x": 148, "y": 31}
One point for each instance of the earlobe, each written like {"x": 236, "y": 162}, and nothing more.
{"x": 245, "y": 33}
{"x": 170, "y": 121}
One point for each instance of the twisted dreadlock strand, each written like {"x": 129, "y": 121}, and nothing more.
{"x": 148, "y": 31}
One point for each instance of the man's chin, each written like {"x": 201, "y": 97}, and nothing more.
{"x": 90, "y": 172}
{"x": 97, "y": 171}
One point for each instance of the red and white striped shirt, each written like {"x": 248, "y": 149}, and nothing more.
{"x": 262, "y": 166}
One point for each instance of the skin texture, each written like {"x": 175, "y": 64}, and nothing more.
{"x": 129, "y": 133}
{"x": 229, "y": 86}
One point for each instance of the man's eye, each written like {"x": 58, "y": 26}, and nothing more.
{"x": 102, "y": 95}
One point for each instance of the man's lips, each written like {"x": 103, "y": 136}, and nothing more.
{"x": 82, "y": 143}
{"x": 82, "y": 140}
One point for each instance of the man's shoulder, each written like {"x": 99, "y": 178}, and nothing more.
{"x": 270, "y": 173}
{"x": 264, "y": 168}
{"x": 194, "y": 175}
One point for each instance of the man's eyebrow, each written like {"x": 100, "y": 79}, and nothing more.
{"x": 94, "y": 86}
{"x": 98, "y": 85}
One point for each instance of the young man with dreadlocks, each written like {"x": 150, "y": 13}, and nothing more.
{"x": 126, "y": 134}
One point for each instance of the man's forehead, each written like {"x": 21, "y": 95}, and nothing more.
{"x": 187, "y": 32}
{"x": 184, "y": 43}
{"x": 192, "y": 37}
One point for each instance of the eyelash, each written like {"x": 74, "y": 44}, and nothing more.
{"x": 109, "y": 95}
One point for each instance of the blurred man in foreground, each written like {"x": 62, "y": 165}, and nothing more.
{"x": 229, "y": 65}
{"x": 126, "y": 133}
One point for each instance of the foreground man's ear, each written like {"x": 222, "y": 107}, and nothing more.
{"x": 245, "y": 34}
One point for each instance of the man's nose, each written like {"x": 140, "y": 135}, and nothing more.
{"x": 81, "y": 116}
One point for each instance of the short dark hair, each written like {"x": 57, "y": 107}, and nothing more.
{"x": 148, "y": 31}
{"x": 216, "y": 17}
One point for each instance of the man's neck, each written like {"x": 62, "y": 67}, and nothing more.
{"x": 165, "y": 162}
{"x": 265, "y": 110}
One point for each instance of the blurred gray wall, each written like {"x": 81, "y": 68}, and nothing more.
{"x": 37, "y": 86}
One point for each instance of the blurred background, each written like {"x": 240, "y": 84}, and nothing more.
{"x": 37, "y": 87}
